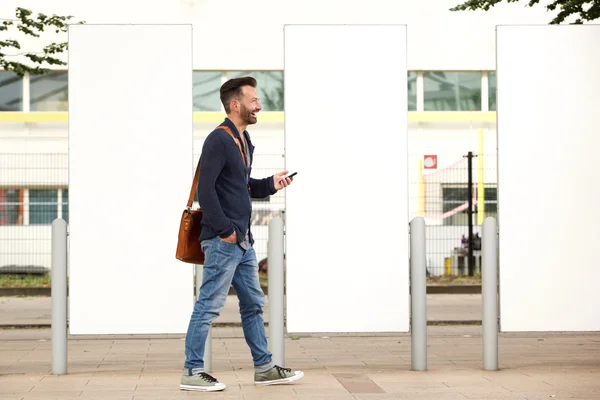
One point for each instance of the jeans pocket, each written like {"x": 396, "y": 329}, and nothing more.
{"x": 223, "y": 245}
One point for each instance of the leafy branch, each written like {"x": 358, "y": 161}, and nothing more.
{"x": 28, "y": 24}
{"x": 583, "y": 10}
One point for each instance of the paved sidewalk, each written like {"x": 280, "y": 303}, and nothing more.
{"x": 533, "y": 366}
{"x": 440, "y": 307}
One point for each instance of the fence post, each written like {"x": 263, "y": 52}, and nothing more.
{"x": 418, "y": 290}
{"x": 276, "y": 284}
{"x": 59, "y": 296}
{"x": 208, "y": 344}
{"x": 489, "y": 290}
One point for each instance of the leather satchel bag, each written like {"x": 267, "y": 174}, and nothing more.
{"x": 188, "y": 245}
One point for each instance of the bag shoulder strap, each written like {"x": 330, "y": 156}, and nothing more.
{"x": 194, "y": 186}
{"x": 197, "y": 174}
{"x": 226, "y": 129}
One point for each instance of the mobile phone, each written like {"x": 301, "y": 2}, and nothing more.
{"x": 289, "y": 176}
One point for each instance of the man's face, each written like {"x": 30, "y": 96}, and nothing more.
{"x": 249, "y": 105}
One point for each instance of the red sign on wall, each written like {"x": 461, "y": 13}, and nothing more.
{"x": 430, "y": 161}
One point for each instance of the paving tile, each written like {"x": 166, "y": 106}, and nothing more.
{"x": 358, "y": 383}
{"x": 381, "y": 396}
{"x": 8, "y": 388}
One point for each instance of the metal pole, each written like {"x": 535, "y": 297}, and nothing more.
{"x": 489, "y": 290}
{"x": 418, "y": 290}
{"x": 208, "y": 344}
{"x": 59, "y": 297}
{"x": 275, "y": 276}
{"x": 471, "y": 260}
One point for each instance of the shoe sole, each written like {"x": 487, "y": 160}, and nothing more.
{"x": 281, "y": 381}
{"x": 202, "y": 388}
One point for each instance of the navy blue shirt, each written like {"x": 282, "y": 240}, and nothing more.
{"x": 225, "y": 188}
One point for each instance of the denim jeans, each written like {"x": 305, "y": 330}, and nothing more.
{"x": 226, "y": 264}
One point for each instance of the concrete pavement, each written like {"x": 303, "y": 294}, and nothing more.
{"x": 533, "y": 366}
{"x": 337, "y": 366}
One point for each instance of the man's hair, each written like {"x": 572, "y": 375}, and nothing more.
{"x": 233, "y": 89}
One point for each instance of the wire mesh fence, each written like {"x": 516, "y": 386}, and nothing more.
{"x": 34, "y": 191}
{"x": 447, "y": 205}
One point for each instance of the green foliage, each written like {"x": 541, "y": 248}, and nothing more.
{"x": 24, "y": 281}
{"x": 28, "y": 24}
{"x": 582, "y": 10}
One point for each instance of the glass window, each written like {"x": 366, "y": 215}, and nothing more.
{"x": 43, "y": 206}
{"x": 452, "y": 91}
{"x": 206, "y": 91}
{"x": 412, "y": 91}
{"x": 65, "y": 204}
{"x": 270, "y": 87}
{"x": 490, "y": 201}
{"x": 492, "y": 90}
{"x": 11, "y": 91}
{"x": 49, "y": 92}
{"x": 456, "y": 200}
{"x": 11, "y": 207}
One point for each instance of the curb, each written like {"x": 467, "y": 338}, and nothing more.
{"x": 25, "y": 292}
{"x": 431, "y": 289}
{"x": 453, "y": 289}
{"x": 239, "y": 325}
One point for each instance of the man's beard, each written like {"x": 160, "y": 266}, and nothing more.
{"x": 246, "y": 115}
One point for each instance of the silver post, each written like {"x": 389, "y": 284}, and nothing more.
{"x": 59, "y": 296}
{"x": 489, "y": 292}
{"x": 418, "y": 290}
{"x": 275, "y": 273}
{"x": 208, "y": 344}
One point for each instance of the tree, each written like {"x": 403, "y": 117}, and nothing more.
{"x": 583, "y": 10}
{"x": 27, "y": 24}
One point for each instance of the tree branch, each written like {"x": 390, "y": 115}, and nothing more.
{"x": 567, "y": 8}
{"x": 35, "y": 26}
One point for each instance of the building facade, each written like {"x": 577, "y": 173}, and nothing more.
{"x": 451, "y": 90}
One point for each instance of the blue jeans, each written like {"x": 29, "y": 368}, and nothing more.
{"x": 226, "y": 264}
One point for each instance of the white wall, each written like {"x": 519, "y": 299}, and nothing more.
{"x": 237, "y": 35}
{"x": 123, "y": 274}
{"x": 345, "y": 221}
{"x": 549, "y": 226}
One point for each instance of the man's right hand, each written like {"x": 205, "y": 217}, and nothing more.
{"x": 231, "y": 238}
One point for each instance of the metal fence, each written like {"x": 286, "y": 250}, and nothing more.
{"x": 445, "y": 201}
{"x": 34, "y": 191}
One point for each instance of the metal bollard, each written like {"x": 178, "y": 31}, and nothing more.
{"x": 208, "y": 344}
{"x": 275, "y": 282}
{"x": 489, "y": 293}
{"x": 59, "y": 297}
{"x": 418, "y": 290}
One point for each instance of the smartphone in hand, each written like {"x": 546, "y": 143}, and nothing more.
{"x": 289, "y": 176}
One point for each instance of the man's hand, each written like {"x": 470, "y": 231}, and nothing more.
{"x": 231, "y": 238}
{"x": 280, "y": 181}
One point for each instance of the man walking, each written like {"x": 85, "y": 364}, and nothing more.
{"x": 225, "y": 189}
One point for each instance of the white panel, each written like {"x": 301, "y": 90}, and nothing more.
{"x": 548, "y": 92}
{"x": 346, "y": 136}
{"x": 130, "y": 171}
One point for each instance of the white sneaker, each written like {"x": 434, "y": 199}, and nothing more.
{"x": 277, "y": 376}
{"x": 201, "y": 382}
